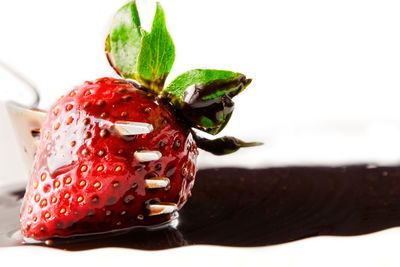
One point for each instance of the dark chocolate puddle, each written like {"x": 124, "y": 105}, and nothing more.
{"x": 259, "y": 207}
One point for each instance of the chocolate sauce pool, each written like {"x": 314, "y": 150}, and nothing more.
{"x": 257, "y": 207}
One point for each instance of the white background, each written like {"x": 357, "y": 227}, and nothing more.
{"x": 326, "y": 73}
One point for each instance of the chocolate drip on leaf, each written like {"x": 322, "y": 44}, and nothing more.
{"x": 203, "y": 97}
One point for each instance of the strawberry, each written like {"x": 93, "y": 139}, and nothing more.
{"x": 86, "y": 176}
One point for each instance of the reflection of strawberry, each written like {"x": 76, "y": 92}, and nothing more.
{"x": 85, "y": 176}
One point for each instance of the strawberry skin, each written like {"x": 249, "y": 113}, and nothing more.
{"x": 85, "y": 178}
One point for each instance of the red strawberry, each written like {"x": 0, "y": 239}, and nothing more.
{"x": 85, "y": 176}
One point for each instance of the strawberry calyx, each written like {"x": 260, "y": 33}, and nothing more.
{"x": 201, "y": 97}
{"x": 223, "y": 145}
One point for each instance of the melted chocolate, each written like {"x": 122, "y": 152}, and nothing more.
{"x": 258, "y": 207}
{"x": 209, "y": 106}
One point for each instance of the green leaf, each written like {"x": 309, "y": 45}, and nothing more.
{"x": 157, "y": 54}
{"x": 223, "y": 145}
{"x": 196, "y": 77}
{"x": 204, "y": 97}
{"x": 123, "y": 44}
{"x": 137, "y": 54}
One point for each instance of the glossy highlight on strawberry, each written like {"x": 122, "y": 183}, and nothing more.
{"x": 86, "y": 178}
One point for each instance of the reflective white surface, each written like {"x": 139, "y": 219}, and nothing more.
{"x": 368, "y": 250}
{"x": 325, "y": 91}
